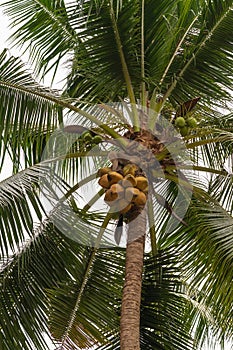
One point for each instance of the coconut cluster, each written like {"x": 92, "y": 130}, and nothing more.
{"x": 125, "y": 190}
{"x": 185, "y": 124}
{"x": 86, "y": 136}
{"x": 91, "y": 139}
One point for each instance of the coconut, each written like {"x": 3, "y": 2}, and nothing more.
{"x": 130, "y": 169}
{"x": 142, "y": 183}
{"x": 104, "y": 181}
{"x": 114, "y": 177}
{"x": 180, "y": 122}
{"x": 129, "y": 180}
{"x": 97, "y": 139}
{"x": 131, "y": 193}
{"x": 192, "y": 122}
{"x": 118, "y": 189}
{"x": 140, "y": 199}
{"x": 103, "y": 171}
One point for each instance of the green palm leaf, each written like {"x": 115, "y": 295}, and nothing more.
{"x": 27, "y": 117}
{"x": 168, "y": 314}
{"x": 75, "y": 315}
{"x": 169, "y": 48}
{"x": 221, "y": 188}
{"x": 39, "y": 192}
{"x": 98, "y": 63}
{"x": 23, "y": 296}
{"x": 163, "y": 303}
{"x": 206, "y": 55}
{"x": 18, "y": 195}
{"x": 44, "y": 27}
{"x": 209, "y": 268}
{"x": 51, "y": 277}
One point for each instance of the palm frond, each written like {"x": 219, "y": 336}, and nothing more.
{"x": 39, "y": 192}
{"x": 46, "y": 274}
{"x": 211, "y": 144}
{"x": 30, "y": 114}
{"x": 204, "y": 64}
{"x": 27, "y": 117}
{"x": 166, "y": 27}
{"x": 36, "y": 193}
{"x": 163, "y": 302}
{"x": 91, "y": 320}
{"x": 179, "y": 37}
{"x": 42, "y": 28}
{"x": 206, "y": 248}
{"x": 170, "y": 314}
{"x": 97, "y": 64}
{"x": 221, "y": 188}
{"x": 20, "y": 205}
{"x": 24, "y": 277}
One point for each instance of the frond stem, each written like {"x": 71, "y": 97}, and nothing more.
{"x": 205, "y": 169}
{"x": 93, "y": 200}
{"x": 85, "y": 277}
{"x": 196, "y": 168}
{"x": 150, "y": 214}
{"x": 193, "y": 145}
{"x": 64, "y": 104}
{"x": 193, "y": 57}
{"x": 54, "y": 18}
{"x": 176, "y": 50}
{"x": 143, "y": 85}
{"x": 77, "y": 186}
{"x": 125, "y": 68}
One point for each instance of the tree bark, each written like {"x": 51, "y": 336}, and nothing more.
{"x": 131, "y": 298}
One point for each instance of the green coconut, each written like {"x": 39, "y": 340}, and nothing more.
{"x": 192, "y": 122}
{"x": 184, "y": 131}
{"x": 97, "y": 139}
{"x": 180, "y": 122}
{"x": 86, "y": 136}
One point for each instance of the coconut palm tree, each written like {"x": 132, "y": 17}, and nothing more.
{"x": 140, "y": 117}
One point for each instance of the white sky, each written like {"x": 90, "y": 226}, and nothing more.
{"x": 4, "y": 35}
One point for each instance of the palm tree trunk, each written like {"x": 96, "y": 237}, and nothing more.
{"x": 131, "y": 298}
